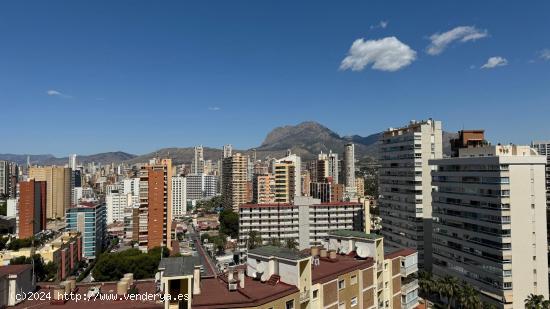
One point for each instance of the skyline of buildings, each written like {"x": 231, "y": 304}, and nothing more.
{"x": 460, "y": 220}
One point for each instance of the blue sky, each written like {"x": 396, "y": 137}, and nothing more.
{"x": 135, "y": 76}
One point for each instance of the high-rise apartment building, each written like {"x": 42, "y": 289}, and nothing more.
{"x": 348, "y": 168}
{"x": 227, "y": 151}
{"x": 72, "y": 162}
{"x": 197, "y": 164}
{"x": 4, "y": 177}
{"x": 285, "y": 177}
{"x": 58, "y": 186}
{"x": 9, "y": 172}
{"x": 131, "y": 186}
{"x": 179, "y": 197}
{"x": 489, "y": 227}
{"x": 262, "y": 192}
{"x": 200, "y": 186}
{"x": 89, "y": 219}
{"x": 543, "y": 148}
{"x": 155, "y": 211}
{"x": 405, "y": 185}
{"x": 116, "y": 202}
{"x": 32, "y": 208}
{"x": 234, "y": 183}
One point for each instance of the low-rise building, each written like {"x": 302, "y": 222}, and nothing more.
{"x": 307, "y": 220}
{"x": 357, "y": 272}
{"x": 15, "y": 279}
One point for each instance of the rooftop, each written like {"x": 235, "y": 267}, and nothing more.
{"x": 328, "y": 269}
{"x": 13, "y": 269}
{"x": 179, "y": 266}
{"x": 216, "y": 295}
{"x": 355, "y": 234}
{"x": 106, "y": 288}
{"x": 285, "y": 253}
{"x": 391, "y": 252}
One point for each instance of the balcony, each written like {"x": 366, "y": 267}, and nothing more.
{"x": 409, "y": 286}
{"x": 407, "y": 271}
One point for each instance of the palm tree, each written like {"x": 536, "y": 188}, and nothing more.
{"x": 469, "y": 297}
{"x": 535, "y": 302}
{"x": 426, "y": 283}
{"x": 450, "y": 288}
{"x": 254, "y": 239}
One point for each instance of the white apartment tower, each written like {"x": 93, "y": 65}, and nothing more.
{"x": 405, "y": 187}
{"x": 179, "y": 197}
{"x": 489, "y": 212}
{"x": 349, "y": 167}
{"x": 227, "y": 151}
{"x": 197, "y": 166}
{"x": 543, "y": 148}
{"x": 117, "y": 202}
{"x": 72, "y": 162}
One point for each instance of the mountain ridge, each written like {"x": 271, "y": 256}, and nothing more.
{"x": 306, "y": 139}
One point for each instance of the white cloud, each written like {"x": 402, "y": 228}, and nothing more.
{"x": 214, "y": 108}
{"x": 545, "y": 54}
{"x": 494, "y": 62}
{"x": 382, "y": 24}
{"x": 55, "y": 93}
{"x": 440, "y": 41}
{"x": 387, "y": 54}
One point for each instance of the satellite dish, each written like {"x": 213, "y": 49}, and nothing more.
{"x": 362, "y": 250}
{"x": 344, "y": 249}
{"x": 260, "y": 268}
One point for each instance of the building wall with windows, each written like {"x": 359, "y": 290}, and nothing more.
{"x": 90, "y": 221}
{"x": 405, "y": 185}
{"x": 489, "y": 210}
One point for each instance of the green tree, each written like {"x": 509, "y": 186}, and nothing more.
{"x": 43, "y": 272}
{"x": 113, "y": 266}
{"x": 229, "y": 223}
{"x": 254, "y": 239}
{"x": 291, "y": 243}
{"x": 426, "y": 283}
{"x": 535, "y": 302}
{"x": 468, "y": 297}
{"x": 449, "y": 287}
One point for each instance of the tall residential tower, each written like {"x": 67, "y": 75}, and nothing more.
{"x": 405, "y": 185}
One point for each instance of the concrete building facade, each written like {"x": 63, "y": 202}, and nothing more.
{"x": 32, "y": 208}
{"x": 155, "y": 217}
{"x": 58, "y": 184}
{"x": 405, "y": 187}
{"x": 489, "y": 211}
{"x": 179, "y": 197}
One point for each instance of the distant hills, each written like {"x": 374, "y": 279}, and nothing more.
{"x": 306, "y": 139}
{"x": 48, "y": 159}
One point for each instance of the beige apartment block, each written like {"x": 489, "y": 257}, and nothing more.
{"x": 58, "y": 188}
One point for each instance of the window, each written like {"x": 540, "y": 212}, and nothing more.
{"x": 315, "y": 294}
{"x": 353, "y": 280}
{"x": 290, "y": 304}
{"x": 354, "y": 301}
{"x": 341, "y": 284}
